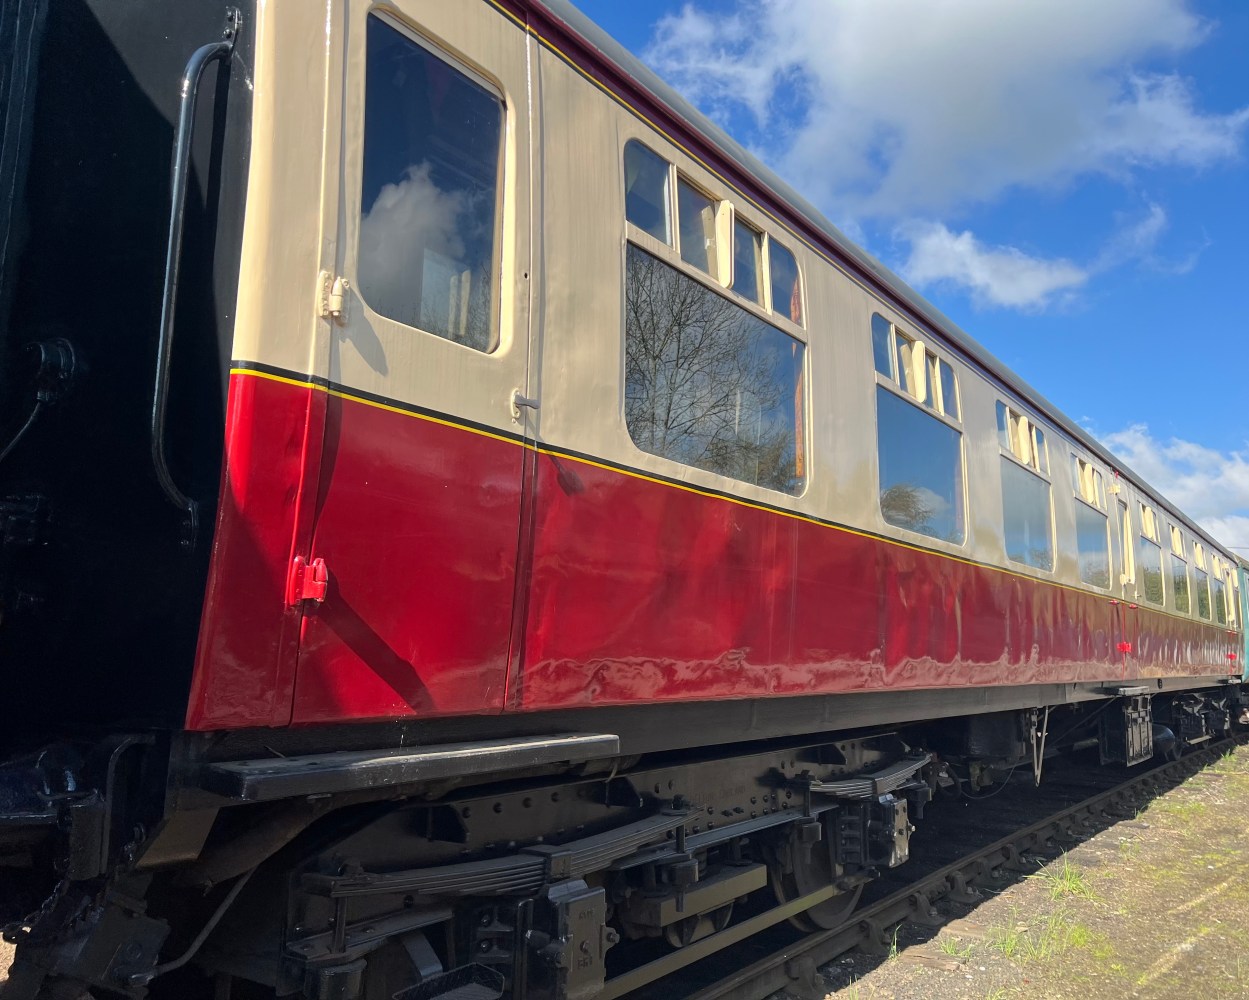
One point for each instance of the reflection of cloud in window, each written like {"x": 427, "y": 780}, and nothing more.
{"x": 408, "y": 221}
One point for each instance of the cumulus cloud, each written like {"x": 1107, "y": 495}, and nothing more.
{"x": 994, "y": 276}
{"x": 1208, "y": 485}
{"x": 1007, "y": 277}
{"x": 973, "y": 98}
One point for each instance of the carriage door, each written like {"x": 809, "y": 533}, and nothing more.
{"x": 408, "y": 588}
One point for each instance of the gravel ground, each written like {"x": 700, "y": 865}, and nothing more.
{"x": 1154, "y": 907}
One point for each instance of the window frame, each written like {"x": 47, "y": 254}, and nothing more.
{"x": 1013, "y": 416}
{"x": 894, "y": 384}
{"x": 498, "y": 339}
{"x": 801, "y": 323}
{"x": 728, "y": 214}
{"x": 1099, "y": 503}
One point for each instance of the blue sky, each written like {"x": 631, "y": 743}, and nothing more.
{"x": 1068, "y": 181}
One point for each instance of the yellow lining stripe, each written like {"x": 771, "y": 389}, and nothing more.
{"x": 701, "y": 491}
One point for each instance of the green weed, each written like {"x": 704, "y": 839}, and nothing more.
{"x": 955, "y": 948}
{"x": 1066, "y": 880}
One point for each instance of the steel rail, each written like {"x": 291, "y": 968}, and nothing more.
{"x": 869, "y": 929}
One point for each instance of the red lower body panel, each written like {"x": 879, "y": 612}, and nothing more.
{"x": 636, "y": 591}
{"x": 642, "y": 592}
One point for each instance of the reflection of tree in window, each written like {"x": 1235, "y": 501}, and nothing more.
{"x": 1179, "y": 584}
{"x": 429, "y": 195}
{"x": 1203, "y": 593}
{"x": 1149, "y": 559}
{"x": 706, "y": 383}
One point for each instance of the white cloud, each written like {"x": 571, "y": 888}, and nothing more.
{"x": 1133, "y": 241}
{"x": 995, "y": 276}
{"x": 1007, "y": 277}
{"x": 892, "y": 110}
{"x": 1208, "y": 485}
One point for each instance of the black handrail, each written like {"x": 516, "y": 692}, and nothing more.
{"x": 181, "y": 168}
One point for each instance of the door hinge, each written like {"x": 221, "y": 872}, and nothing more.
{"x": 307, "y": 581}
{"x": 332, "y": 296}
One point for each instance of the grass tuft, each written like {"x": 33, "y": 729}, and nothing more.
{"x": 955, "y": 948}
{"x": 1066, "y": 880}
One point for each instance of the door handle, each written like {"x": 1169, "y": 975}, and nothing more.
{"x": 519, "y": 401}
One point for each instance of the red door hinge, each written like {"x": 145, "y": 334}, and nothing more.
{"x": 307, "y": 581}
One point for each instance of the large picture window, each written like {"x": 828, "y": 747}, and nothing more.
{"x": 921, "y": 469}
{"x": 1026, "y": 516}
{"x": 429, "y": 203}
{"x": 1092, "y": 546}
{"x": 707, "y": 383}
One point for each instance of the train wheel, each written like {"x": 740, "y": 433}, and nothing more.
{"x": 794, "y": 872}
{"x": 692, "y": 929}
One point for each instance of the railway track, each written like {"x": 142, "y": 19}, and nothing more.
{"x": 792, "y": 961}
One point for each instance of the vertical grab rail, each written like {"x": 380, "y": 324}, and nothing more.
{"x": 181, "y": 168}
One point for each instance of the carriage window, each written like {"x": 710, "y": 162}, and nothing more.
{"x": 747, "y": 261}
{"x": 921, "y": 453}
{"x": 1149, "y": 556}
{"x": 912, "y": 368}
{"x": 1218, "y": 595}
{"x": 1022, "y": 438}
{"x": 786, "y": 288}
{"x": 646, "y": 191}
{"x": 696, "y": 214}
{"x": 1179, "y": 573}
{"x": 1026, "y": 516}
{"x": 882, "y": 345}
{"x": 921, "y": 468}
{"x": 1090, "y": 485}
{"x": 1092, "y": 536}
{"x": 707, "y": 383}
{"x": 429, "y": 222}
{"x": 1231, "y": 594}
{"x": 1092, "y": 545}
{"x": 948, "y": 403}
{"x": 1201, "y": 581}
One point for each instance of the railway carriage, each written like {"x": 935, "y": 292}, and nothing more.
{"x": 471, "y": 524}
